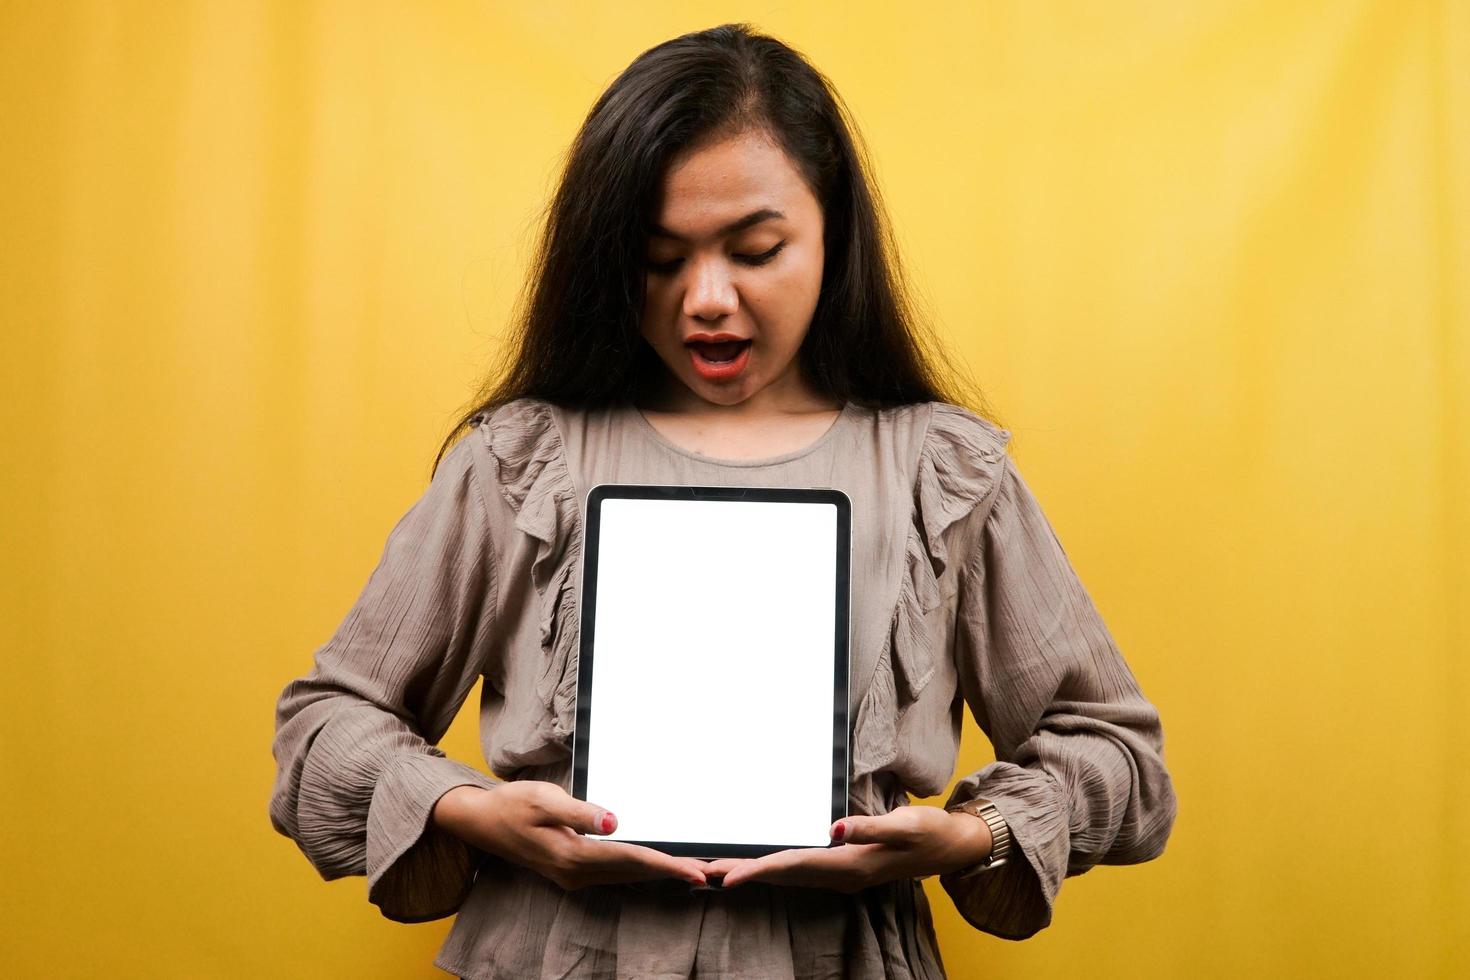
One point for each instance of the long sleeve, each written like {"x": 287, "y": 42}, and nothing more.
{"x": 358, "y": 770}
{"x": 1079, "y": 774}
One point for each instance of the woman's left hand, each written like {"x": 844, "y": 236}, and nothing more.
{"x": 908, "y": 842}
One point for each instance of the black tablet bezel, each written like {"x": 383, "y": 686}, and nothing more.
{"x": 841, "y": 750}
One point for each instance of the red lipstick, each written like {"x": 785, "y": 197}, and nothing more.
{"x": 718, "y": 356}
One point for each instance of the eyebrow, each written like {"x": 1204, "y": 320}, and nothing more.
{"x": 739, "y": 224}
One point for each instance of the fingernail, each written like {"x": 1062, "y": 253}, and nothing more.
{"x": 839, "y": 831}
{"x": 608, "y": 820}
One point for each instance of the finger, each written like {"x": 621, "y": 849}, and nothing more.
{"x": 622, "y": 858}
{"x": 883, "y": 829}
{"x": 796, "y": 865}
{"x": 584, "y": 816}
{"x": 722, "y": 866}
{"x": 752, "y": 869}
{"x": 815, "y": 867}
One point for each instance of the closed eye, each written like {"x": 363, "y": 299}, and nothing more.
{"x": 764, "y": 257}
{"x": 664, "y": 268}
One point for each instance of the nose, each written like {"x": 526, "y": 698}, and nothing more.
{"x": 711, "y": 292}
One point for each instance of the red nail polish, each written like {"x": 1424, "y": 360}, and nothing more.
{"x": 607, "y": 823}
{"x": 840, "y": 831}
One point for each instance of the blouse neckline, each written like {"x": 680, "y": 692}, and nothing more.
{"x": 658, "y": 438}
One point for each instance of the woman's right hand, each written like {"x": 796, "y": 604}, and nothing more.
{"x": 539, "y": 825}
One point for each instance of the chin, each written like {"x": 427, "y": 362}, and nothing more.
{"x": 720, "y": 394}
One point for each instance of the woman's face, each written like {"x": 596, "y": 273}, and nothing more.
{"x": 735, "y": 250}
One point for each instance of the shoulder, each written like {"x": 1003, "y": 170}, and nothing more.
{"x": 962, "y": 464}
{"x": 936, "y": 427}
{"x": 518, "y": 432}
{"x": 956, "y": 429}
{"x": 519, "y": 415}
{"x": 525, "y": 455}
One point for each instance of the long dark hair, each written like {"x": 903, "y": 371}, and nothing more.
{"x": 576, "y": 339}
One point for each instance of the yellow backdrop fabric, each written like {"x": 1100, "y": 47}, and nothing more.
{"x": 1208, "y": 259}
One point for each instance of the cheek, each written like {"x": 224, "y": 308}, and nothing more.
{"x": 786, "y": 301}
{"x": 801, "y": 280}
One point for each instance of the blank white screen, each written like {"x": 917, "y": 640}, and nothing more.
{"x": 712, "y": 671}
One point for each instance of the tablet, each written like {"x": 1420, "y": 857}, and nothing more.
{"x": 712, "y": 700}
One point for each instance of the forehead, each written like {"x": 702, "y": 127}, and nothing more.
{"x": 727, "y": 179}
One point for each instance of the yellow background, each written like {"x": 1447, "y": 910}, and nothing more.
{"x": 1208, "y": 259}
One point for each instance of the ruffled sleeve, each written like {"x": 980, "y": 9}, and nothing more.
{"x": 958, "y": 465}
{"x": 1079, "y": 774}
{"x": 533, "y": 476}
{"x": 358, "y": 769}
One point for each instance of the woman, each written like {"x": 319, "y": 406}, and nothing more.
{"x": 715, "y": 302}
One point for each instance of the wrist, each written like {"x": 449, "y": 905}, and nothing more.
{"x": 999, "y": 832}
{"x": 451, "y": 810}
{"x": 973, "y": 838}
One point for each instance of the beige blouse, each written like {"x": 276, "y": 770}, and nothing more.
{"x": 961, "y": 595}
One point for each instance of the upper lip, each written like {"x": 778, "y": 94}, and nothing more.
{"x": 711, "y": 338}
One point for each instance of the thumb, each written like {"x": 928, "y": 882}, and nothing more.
{"x": 583, "y": 816}
{"x": 593, "y": 819}
{"x": 867, "y": 830}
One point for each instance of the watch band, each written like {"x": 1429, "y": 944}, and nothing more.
{"x": 1000, "y": 835}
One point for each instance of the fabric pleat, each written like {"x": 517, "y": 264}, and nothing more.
{"x": 959, "y": 465}
{"x": 532, "y": 475}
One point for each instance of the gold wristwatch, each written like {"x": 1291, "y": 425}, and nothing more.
{"x": 1000, "y": 835}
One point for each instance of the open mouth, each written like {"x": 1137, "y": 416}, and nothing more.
{"x": 723, "y": 352}
{"x": 721, "y": 360}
